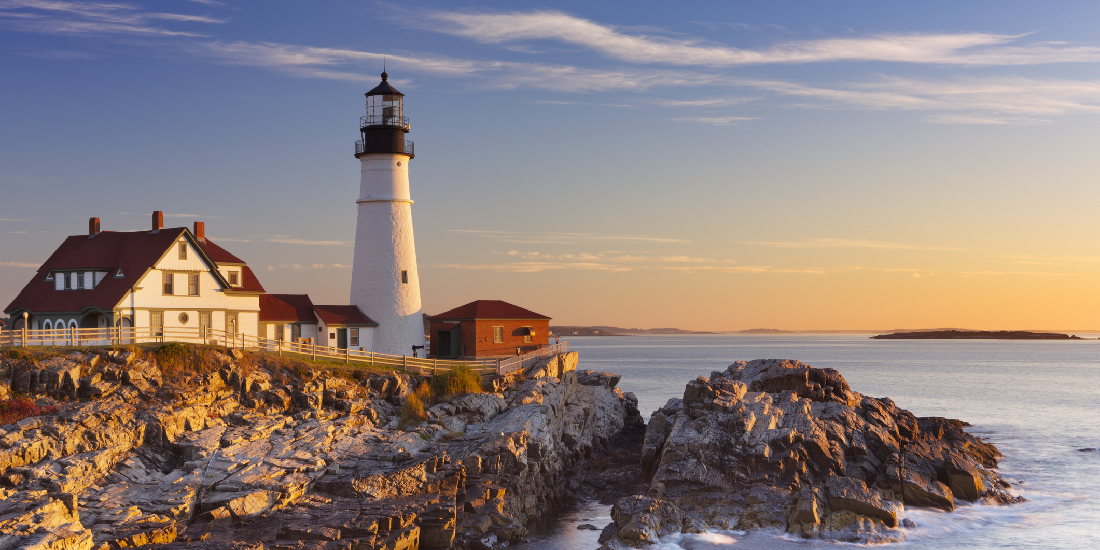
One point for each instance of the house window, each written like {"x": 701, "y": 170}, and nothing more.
{"x": 204, "y": 319}
{"x": 70, "y": 281}
{"x": 59, "y": 281}
{"x": 193, "y": 284}
{"x": 169, "y": 278}
{"x": 89, "y": 279}
{"x": 184, "y": 318}
{"x": 156, "y": 322}
{"x": 183, "y": 251}
{"x": 353, "y": 337}
{"x": 79, "y": 285}
{"x": 234, "y": 277}
{"x": 498, "y": 335}
{"x": 404, "y": 277}
{"x": 527, "y": 335}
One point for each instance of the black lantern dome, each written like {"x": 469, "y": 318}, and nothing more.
{"x": 385, "y": 124}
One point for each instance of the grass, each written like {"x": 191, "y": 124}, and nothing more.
{"x": 413, "y": 409}
{"x": 17, "y": 408}
{"x": 457, "y": 382}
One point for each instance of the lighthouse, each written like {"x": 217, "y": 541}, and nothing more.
{"x": 384, "y": 281}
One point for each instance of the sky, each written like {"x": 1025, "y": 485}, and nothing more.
{"x": 705, "y": 165}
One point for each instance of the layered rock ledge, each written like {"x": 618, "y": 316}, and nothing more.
{"x": 254, "y": 453}
{"x": 781, "y": 444}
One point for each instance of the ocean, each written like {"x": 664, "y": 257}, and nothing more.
{"x": 1037, "y": 401}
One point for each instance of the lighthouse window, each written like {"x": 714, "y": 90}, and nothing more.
{"x": 405, "y": 277}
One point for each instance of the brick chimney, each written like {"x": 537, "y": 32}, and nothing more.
{"x": 158, "y": 220}
{"x": 93, "y": 227}
{"x": 200, "y": 231}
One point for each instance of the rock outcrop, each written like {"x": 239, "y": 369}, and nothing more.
{"x": 776, "y": 443}
{"x": 252, "y": 454}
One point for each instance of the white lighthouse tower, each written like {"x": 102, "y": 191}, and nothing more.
{"x": 384, "y": 282}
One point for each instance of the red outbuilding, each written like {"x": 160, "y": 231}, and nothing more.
{"x": 485, "y": 328}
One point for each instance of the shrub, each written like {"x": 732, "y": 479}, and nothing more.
{"x": 458, "y": 381}
{"x": 179, "y": 360}
{"x": 17, "y": 408}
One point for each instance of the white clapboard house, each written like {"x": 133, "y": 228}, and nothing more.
{"x": 164, "y": 277}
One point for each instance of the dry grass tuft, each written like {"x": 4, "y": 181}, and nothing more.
{"x": 457, "y": 382}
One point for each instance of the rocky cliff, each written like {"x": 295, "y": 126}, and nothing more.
{"x": 774, "y": 443}
{"x": 253, "y": 451}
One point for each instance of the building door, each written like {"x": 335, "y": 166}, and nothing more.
{"x": 342, "y": 338}
{"x": 231, "y": 323}
{"x": 443, "y": 343}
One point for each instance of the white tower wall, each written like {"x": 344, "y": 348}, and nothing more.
{"x": 383, "y": 249}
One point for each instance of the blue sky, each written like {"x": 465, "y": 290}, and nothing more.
{"x": 712, "y": 166}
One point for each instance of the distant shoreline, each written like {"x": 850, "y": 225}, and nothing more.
{"x": 976, "y": 335}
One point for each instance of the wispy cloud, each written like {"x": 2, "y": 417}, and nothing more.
{"x": 12, "y": 220}
{"x": 300, "y": 267}
{"x": 850, "y": 243}
{"x": 170, "y": 215}
{"x": 533, "y": 267}
{"x": 93, "y": 18}
{"x": 309, "y": 242}
{"x": 565, "y": 238}
{"x": 19, "y": 264}
{"x": 1030, "y": 273}
{"x": 716, "y": 120}
{"x": 972, "y": 48}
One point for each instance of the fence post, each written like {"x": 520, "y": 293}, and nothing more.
{"x": 405, "y": 363}
{"x": 347, "y": 354}
{"x": 72, "y": 337}
{"x": 435, "y": 364}
{"x": 314, "y": 346}
{"x": 500, "y": 366}
{"x": 372, "y": 358}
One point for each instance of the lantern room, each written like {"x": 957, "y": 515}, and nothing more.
{"x": 384, "y": 127}
{"x": 384, "y": 107}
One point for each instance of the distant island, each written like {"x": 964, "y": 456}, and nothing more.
{"x": 765, "y": 331}
{"x": 976, "y": 335}
{"x": 617, "y": 331}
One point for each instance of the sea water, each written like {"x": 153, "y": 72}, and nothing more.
{"x": 1037, "y": 401}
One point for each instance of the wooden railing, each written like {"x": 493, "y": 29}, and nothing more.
{"x": 205, "y": 335}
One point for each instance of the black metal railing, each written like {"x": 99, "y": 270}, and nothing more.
{"x": 381, "y": 120}
{"x": 375, "y": 145}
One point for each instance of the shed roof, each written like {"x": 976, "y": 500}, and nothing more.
{"x": 343, "y": 316}
{"x": 489, "y": 309}
{"x": 290, "y": 308}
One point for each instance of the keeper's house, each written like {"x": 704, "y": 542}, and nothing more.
{"x": 164, "y": 277}
{"x": 485, "y": 328}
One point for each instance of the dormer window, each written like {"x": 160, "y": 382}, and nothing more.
{"x": 183, "y": 251}
{"x": 118, "y": 274}
{"x": 234, "y": 278}
{"x": 59, "y": 281}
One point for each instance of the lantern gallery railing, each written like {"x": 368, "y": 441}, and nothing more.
{"x": 401, "y": 146}
{"x": 382, "y": 120}
{"x": 205, "y": 335}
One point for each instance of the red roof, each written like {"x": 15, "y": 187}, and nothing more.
{"x": 488, "y": 309}
{"x": 296, "y": 308}
{"x": 249, "y": 282}
{"x": 130, "y": 252}
{"x": 217, "y": 253}
{"x": 343, "y": 316}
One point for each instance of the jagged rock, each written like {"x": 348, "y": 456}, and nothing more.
{"x": 776, "y": 443}
{"x": 644, "y": 519}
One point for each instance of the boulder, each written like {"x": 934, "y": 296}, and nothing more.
{"x": 854, "y": 496}
{"x": 645, "y": 519}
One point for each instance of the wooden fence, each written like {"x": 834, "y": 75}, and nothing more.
{"x": 206, "y": 335}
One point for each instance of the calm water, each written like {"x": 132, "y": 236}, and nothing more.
{"x": 1037, "y": 401}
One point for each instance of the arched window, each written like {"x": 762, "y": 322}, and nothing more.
{"x": 47, "y": 326}
{"x": 72, "y": 323}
